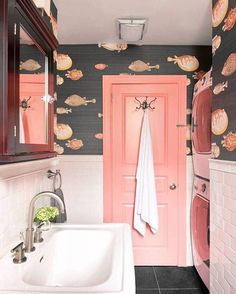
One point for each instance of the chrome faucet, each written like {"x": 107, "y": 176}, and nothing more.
{"x": 29, "y": 247}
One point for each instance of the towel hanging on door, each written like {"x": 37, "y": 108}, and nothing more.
{"x": 145, "y": 211}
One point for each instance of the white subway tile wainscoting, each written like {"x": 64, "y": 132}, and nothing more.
{"x": 223, "y": 227}
{"x": 19, "y": 183}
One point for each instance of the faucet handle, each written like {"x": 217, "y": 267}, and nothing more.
{"x": 19, "y": 253}
{"x": 38, "y": 234}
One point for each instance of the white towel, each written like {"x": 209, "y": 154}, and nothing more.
{"x": 145, "y": 211}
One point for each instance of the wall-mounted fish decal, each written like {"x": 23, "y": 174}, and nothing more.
{"x": 219, "y": 121}
{"x": 100, "y": 66}
{"x": 230, "y": 20}
{"x": 140, "y": 66}
{"x": 100, "y": 115}
{"x": 114, "y": 46}
{"x": 60, "y": 80}
{"x": 220, "y": 87}
{"x": 198, "y": 74}
{"x": 229, "y": 141}
{"x": 215, "y": 150}
{"x": 216, "y": 42}
{"x": 76, "y": 101}
{"x": 64, "y": 62}
{"x": 30, "y": 65}
{"x": 99, "y": 136}
{"x": 230, "y": 65}
{"x": 62, "y": 110}
{"x": 74, "y": 74}
{"x": 219, "y": 11}
{"x": 74, "y": 144}
{"x": 63, "y": 131}
{"x": 58, "y": 149}
{"x": 185, "y": 62}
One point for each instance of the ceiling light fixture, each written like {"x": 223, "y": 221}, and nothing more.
{"x": 132, "y": 30}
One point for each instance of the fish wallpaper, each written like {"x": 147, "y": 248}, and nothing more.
{"x": 78, "y": 109}
{"x": 224, "y": 80}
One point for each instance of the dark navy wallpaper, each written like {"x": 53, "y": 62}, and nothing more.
{"x": 224, "y": 80}
{"x": 79, "y": 86}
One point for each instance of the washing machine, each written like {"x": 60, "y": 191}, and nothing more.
{"x": 200, "y": 229}
{"x": 201, "y": 126}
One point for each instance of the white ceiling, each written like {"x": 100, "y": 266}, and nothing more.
{"x": 171, "y": 22}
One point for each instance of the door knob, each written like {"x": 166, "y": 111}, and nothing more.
{"x": 172, "y": 186}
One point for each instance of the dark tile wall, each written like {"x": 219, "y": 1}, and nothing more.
{"x": 224, "y": 103}
{"x": 84, "y": 120}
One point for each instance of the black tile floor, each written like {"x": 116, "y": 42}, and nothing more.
{"x": 168, "y": 280}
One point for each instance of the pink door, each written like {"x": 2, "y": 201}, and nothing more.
{"x": 33, "y": 118}
{"x": 122, "y": 127}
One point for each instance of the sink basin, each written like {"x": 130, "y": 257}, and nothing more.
{"x": 75, "y": 259}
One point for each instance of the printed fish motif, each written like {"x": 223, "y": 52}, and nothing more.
{"x": 216, "y": 42}
{"x": 114, "y": 46}
{"x": 229, "y": 141}
{"x": 74, "y": 74}
{"x": 188, "y": 133}
{"x": 76, "y": 101}
{"x": 63, "y": 131}
{"x": 189, "y": 111}
{"x": 126, "y": 74}
{"x": 60, "y": 80}
{"x": 185, "y": 62}
{"x": 30, "y": 65}
{"x": 55, "y": 55}
{"x": 230, "y": 65}
{"x": 53, "y": 22}
{"x": 74, "y": 144}
{"x": 230, "y": 20}
{"x": 62, "y": 110}
{"x": 219, "y": 11}
{"x": 219, "y": 121}
{"x": 48, "y": 99}
{"x": 64, "y": 62}
{"x": 139, "y": 66}
{"x": 215, "y": 150}
{"x": 58, "y": 149}
{"x": 198, "y": 74}
{"x": 188, "y": 151}
{"x": 220, "y": 87}
{"x": 100, "y": 66}
{"x": 99, "y": 136}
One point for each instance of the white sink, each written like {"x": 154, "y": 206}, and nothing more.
{"x": 75, "y": 259}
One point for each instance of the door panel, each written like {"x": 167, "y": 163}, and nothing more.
{"x": 125, "y": 130}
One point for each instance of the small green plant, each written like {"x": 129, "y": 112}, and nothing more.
{"x": 46, "y": 214}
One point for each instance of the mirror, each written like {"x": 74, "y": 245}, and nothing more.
{"x": 33, "y": 91}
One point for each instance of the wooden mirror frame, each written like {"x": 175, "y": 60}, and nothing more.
{"x": 11, "y": 11}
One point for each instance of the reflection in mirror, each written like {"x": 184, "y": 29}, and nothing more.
{"x": 33, "y": 91}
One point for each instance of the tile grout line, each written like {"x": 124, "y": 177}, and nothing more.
{"x": 159, "y": 290}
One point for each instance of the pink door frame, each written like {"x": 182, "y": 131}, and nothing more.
{"x": 110, "y": 80}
